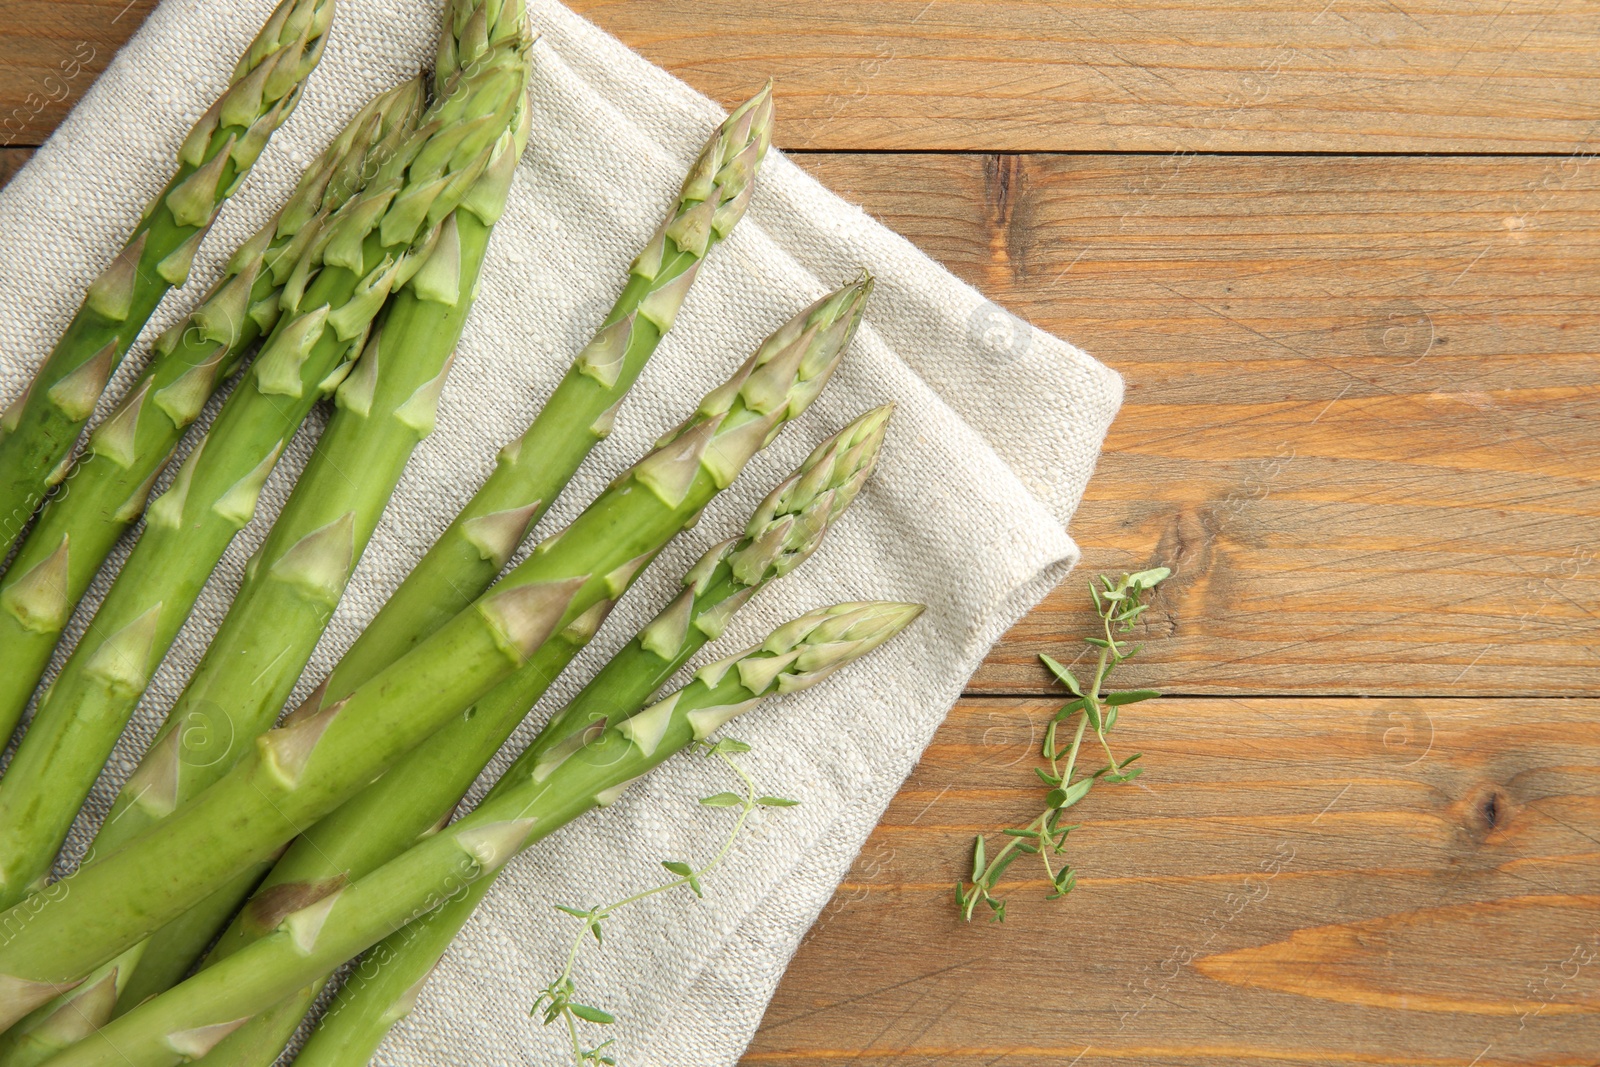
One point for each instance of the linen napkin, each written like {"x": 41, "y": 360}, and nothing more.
{"x": 996, "y": 433}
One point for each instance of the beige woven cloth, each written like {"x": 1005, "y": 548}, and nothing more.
{"x": 997, "y": 431}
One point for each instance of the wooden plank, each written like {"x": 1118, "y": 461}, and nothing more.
{"x": 11, "y": 161}
{"x": 1113, "y": 75}
{"x": 1360, "y": 419}
{"x": 1302, "y": 881}
{"x": 50, "y": 52}
{"x": 1016, "y": 75}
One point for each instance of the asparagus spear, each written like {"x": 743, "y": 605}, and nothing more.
{"x": 228, "y": 699}
{"x": 473, "y": 35}
{"x": 392, "y": 233}
{"x": 398, "y": 814}
{"x": 535, "y": 797}
{"x": 532, "y": 470}
{"x": 42, "y": 425}
{"x": 327, "y": 752}
{"x": 421, "y": 790}
{"x": 112, "y": 479}
{"x": 295, "y": 580}
{"x": 481, "y": 539}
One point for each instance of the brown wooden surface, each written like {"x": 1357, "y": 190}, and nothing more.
{"x": 1048, "y": 75}
{"x": 1040, "y": 75}
{"x": 1319, "y": 881}
{"x": 1361, "y": 426}
{"x": 50, "y": 52}
{"x": 1361, "y": 411}
{"x": 11, "y": 160}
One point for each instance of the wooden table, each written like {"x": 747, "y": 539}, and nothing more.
{"x": 1345, "y": 253}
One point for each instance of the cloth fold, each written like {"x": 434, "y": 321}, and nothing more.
{"x": 996, "y": 432}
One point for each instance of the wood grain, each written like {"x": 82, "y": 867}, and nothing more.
{"x": 11, "y": 161}
{"x": 1039, "y": 75}
{"x": 1293, "y": 881}
{"x": 1422, "y": 960}
{"x": 1222, "y": 75}
{"x": 1361, "y": 410}
{"x": 50, "y": 52}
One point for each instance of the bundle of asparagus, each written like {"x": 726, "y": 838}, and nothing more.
{"x": 399, "y": 231}
{"x": 784, "y": 531}
{"x": 424, "y": 787}
{"x": 127, "y": 452}
{"x": 533, "y": 799}
{"x": 228, "y": 686}
{"x": 327, "y": 751}
{"x": 257, "y": 656}
{"x": 42, "y": 425}
{"x": 361, "y": 285}
{"x": 297, "y": 768}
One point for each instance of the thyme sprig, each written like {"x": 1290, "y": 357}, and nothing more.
{"x": 556, "y": 1001}
{"x": 1092, "y": 708}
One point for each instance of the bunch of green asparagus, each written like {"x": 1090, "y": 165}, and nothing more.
{"x": 247, "y": 858}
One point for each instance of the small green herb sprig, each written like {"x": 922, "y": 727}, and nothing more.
{"x": 556, "y": 1002}
{"x": 1119, "y": 606}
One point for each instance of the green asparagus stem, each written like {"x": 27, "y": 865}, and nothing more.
{"x": 106, "y": 490}
{"x": 532, "y": 471}
{"x": 42, "y": 425}
{"x": 327, "y": 752}
{"x": 373, "y": 827}
{"x": 533, "y": 798}
{"x": 471, "y": 552}
{"x": 418, "y": 794}
{"x": 392, "y": 233}
{"x": 446, "y": 581}
{"x": 231, "y": 698}
{"x": 295, "y": 580}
